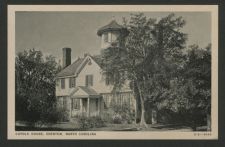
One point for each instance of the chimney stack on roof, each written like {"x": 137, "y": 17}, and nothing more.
{"x": 66, "y": 57}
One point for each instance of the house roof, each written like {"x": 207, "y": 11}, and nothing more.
{"x": 112, "y": 26}
{"x": 76, "y": 66}
{"x": 88, "y": 90}
{"x": 84, "y": 92}
{"x": 71, "y": 69}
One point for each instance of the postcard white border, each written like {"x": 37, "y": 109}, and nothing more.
{"x": 142, "y": 135}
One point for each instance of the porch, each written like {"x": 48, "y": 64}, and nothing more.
{"x": 85, "y": 101}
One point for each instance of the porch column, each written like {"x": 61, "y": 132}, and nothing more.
{"x": 99, "y": 105}
{"x": 69, "y": 105}
{"x": 88, "y": 107}
{"x": 81, "y": 106}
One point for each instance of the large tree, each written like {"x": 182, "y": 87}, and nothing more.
{"x": 190, "y": 91}
{"x": 35, "y": 84}
{"x": 149, "y": 56}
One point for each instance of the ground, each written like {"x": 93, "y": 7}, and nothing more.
{"x": 71, "y": 126}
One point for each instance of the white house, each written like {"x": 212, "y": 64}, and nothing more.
{"x": 82, "y": 89}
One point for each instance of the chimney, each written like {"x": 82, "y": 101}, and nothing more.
{"x": 66, "y": 57}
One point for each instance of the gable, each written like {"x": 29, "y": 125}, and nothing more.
{"x": 83, "y": 92}
{"x": 80, "y": 92}
{"x": 76, "y": 67}
{"x": 88, "y": 61}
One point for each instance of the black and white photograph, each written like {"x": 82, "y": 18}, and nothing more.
{"x": 112, "y": 71}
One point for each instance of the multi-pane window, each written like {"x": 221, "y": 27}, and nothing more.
{"x": 64, "y": 102}
{"x": 106, "y": 37}
{"x": 62, "y": 83}
{"x": 109, "y": 37}
{"x": 89, "y": 80}
{"x": 60, "y": 102}
{"x": 72, "y": 82}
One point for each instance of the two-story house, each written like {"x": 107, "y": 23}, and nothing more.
{"x": 81, "y": 87}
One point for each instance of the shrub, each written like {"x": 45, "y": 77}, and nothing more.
{"x": 117, "y": 119}
{"x": 85, "y": 122}
{"x": 122, "y": 114}
{"x": 62, "y": 114}
{"x": 54, "y": 114}
{"x": 107, "y": 115}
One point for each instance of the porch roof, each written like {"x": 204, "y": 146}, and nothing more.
{"x": 84, "y": 92}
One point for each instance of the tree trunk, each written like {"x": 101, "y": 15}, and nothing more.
{"x": 142, "y": 122}
{"x": 138, "y": 103}
{"x": 138, "y": 109}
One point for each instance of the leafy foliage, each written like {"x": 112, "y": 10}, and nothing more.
{"x": 53, "y": 115}
{"x": 85, "y": 122}
{"x": 147, "y": 57}
{"x": 162, "y": 73}
{"x": 122, "y": 114}
{"x": 35, "y": 85}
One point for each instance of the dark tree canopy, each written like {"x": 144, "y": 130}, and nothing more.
{"x": 154, "y": 58}
{"x": 35, "y": 84}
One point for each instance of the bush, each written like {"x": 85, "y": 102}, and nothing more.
{"x": 54, "y": 114}
{"x": 122, "y": 114}
{"x": 62, "y": 114}
{"x": 117, "y": 119}
{"x": 85, "y": 122}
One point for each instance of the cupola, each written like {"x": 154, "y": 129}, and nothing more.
{"x": 111, "y": 34}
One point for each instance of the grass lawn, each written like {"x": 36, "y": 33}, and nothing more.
{"x": 72, "y": 126}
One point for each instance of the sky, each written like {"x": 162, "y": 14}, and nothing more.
{"x": 49, "y": 32}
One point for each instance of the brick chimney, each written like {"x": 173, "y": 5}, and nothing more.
{"x": 66, "y": 57}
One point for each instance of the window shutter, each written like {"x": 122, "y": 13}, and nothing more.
{"x": 74, "y": 82}
{"x": 63, "y": 83}
{"x": 91, "y": 80}
{"x": 70, "y": 83}
{"x": 86, "y": 80}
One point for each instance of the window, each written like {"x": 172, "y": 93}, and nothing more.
{"x": 109, "y": 37}
{"x": 96, "y": 104}
{"x": 106, "y": 37}
{"x": 76, "y": 104}
{"x": 107, "y": 81}
{"x": 64, "y": 102}
{"x": 63, "y": 83}
{"x": 60, "y": 102}
{"x": 89, "y": 80}
{"x": 72, "y": 82}
{"x": 57, "y": 82}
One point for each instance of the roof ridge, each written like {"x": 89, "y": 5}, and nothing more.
{"x": 67, "y": 68}
{"x": 76, "y": 67}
